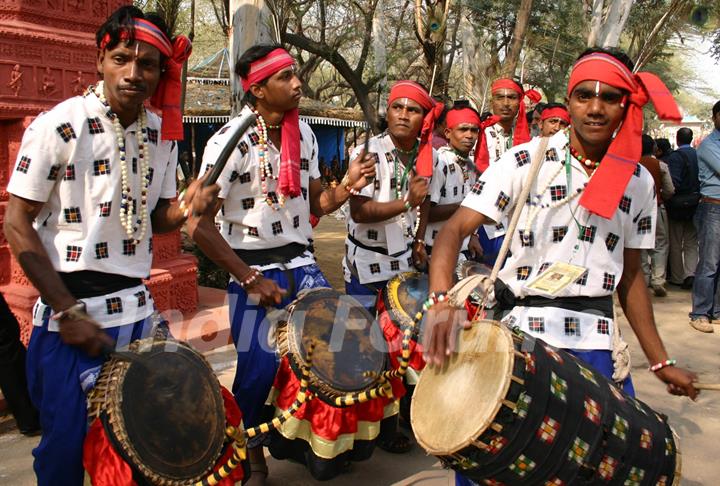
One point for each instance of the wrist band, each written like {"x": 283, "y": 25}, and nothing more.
{"x": 253, "y": 275}
{"x": 76, "y": 312}
{"x": 434, "y": 298}
{"x": 407, "y": 205}
{"x": 353, "y": 192}
{"x": 419, "y": 241}
{"x": 663, "y": 364}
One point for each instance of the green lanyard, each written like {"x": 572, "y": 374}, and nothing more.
{"x": 400, "y": 184}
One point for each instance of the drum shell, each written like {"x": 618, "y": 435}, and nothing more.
{"x": 587, "y": 438}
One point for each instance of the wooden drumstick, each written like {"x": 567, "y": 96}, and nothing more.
{"x": 707, "y": 386}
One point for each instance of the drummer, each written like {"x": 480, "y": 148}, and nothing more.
{"x": 385, "y": 237}
{"x": 454, "y": 175}
{"x": 269, "y": 189}
{"x": 590, "y": 221}
{"x": 69, "y": 233}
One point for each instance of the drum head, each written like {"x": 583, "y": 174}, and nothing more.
{"x": 406, "y": 294}
{"x": 172, "y": 413}
{"x": 468, "y": 268}
{"x": 348, "y": 341}
{"x": 455, "y": 404}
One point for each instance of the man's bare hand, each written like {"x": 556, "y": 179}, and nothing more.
{"x": 419, "y": 187}
{"x": 362, "y": 170}
{"x": 85, "y": 334}
{"x": 198, "y": 199}
{"x": 679, "y": 381}
{"x": 475, "y": 248}
{"x": 268, "y": 292}
{"x": 442, "y": 324}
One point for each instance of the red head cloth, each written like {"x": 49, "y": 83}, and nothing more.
{"x": 482, "y": 156}
{"x": 556, "y": 112}
{"x": 467, "y": 115}
{"x": 462, "y": 115}
{"x": 261, "y": 69}
{"x": 415, "y": 92}
{"x": 605, "y": 189}
{"x": 169, "y": 90}
{"x": 521, "y": 133}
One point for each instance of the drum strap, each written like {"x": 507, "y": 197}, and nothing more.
{"x": 281, "y": 254}
{"x": 376, "y": 249}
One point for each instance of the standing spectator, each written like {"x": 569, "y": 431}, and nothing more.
{"x": 662, "y": 149}
{"x": 681, "y": 209}
{"x": 705, "y": 305}
{"x": 654, "y": 262}
{"x": 13, "y": 378}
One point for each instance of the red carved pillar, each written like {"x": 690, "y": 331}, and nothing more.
{"x": 48, "y": 54}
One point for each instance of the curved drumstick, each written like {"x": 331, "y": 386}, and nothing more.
{"x": 240, "y": 436}
{"x": 707, "y": 386}
{"x": 229, "y": 147}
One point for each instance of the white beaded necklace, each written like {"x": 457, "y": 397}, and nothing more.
{"x": 536, "y": 204}
{"x": 265, "y": 167}
{"x": 126, "y": 200}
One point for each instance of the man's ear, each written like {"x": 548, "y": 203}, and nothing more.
{"x": 99, "y": 61}
{"x": 447, "y": 133}
{"x": 257, "y": 91}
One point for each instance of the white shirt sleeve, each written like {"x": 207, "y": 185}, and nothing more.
{"x": 640, "y": 226}
{"x": 212, "y": 151}
{"x": 40, "y": 162}
{"x": 314, "y": 164}
{"x": 493, "y": 193}
{"x": 168, "y": 189}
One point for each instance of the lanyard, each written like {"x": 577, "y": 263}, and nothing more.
{"x": 399, "y": 184}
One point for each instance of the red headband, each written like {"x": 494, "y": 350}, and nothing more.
{"x": 415, "y": 92}
{"x": 169, "y": 90}
{"x": 605, "y": 189}
{"x": 556, "y": 112}
{"x": 261, "y": 69}
{"x": 463, "y": 115}
{"x": 521, "y": 134}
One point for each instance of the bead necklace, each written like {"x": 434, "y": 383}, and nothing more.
{"x": 407, "y": 152}
{"x": 582, "y": 159}
{"x": 536, "y": 204}
{"x": 266, "y": 171}
{"x": 126, "y": 200}
{"x": 462, "y": 161}
{"x": 400, "y": 182}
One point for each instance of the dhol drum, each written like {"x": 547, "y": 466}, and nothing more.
{"x": 349, "y": 391}
{"x": 163, "y": 411}
{"x": 468, "y": 268}
{"x": 398, "y": 306}
{"x": 526, "y": 413}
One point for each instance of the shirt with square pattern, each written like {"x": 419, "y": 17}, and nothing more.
{"x": 448, "y": 186}
{"x": 245, "y": 220}
{"x": 372, "y": 266}
{"x": 556, "y": 231}
{"x": 69, "y": 160}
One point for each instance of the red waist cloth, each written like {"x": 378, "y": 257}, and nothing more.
{"x": 325, "y": 420}
{"x": 394, "y": 336}
{"x": 106, "y": 467}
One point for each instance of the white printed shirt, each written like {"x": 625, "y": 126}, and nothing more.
{"x": 69, "y": 160}
{"x": 453, "y": 176}
{"x": 569, "y": 234}
{"x": 498, "y": 142}
{"x": 245, "y": 219}
{"x": 394, "y": 235}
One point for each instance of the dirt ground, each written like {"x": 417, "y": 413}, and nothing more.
{"x": 697, "y": 423}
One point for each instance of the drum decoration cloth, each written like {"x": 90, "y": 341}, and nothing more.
{"x": 539, "y": 416}
{"x": 162, "y": 415}
{"x": 349, "y": 355}
{"x": 399, "y": 303}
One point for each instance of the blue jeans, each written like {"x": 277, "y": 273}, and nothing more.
{"x": 257, "y": 362}
{"x": 59, "y": 375}
{"x": 705, "y": 296}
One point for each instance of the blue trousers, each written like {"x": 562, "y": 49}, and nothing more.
{"x": 705, "y": 295}
{"x": 491, "y": 247}
{"x": 602, "y": 361}
{"x": 366, "y": 294}
{"x": 257, "y": 361}
{"x": 59, "y": 376}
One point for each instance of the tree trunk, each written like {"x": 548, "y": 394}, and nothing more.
{"x": 251, "y": 24}
{"x": 618, "y": 13}
{"x": 596, "y": 22}
{"x": 521, "y": 26}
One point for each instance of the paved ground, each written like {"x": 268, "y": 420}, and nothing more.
{"x": 698, "y": 424}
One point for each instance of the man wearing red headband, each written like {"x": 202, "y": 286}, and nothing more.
{"x": 385, "y": 236}
{"x": 591, "y": 234}
{"x": 268, "y": 190}
{"x": 553, "y": 118}
{"x": 95, "y": 175}
{"x": 454, "y": 174}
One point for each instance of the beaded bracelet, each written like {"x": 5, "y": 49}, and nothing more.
{"x": 663, "y": 364}
{"x": 250, "y": 278}
{"x": 418, "y": 241}
{"x": 353, "y": 192}
{"x": 434, "y": 298}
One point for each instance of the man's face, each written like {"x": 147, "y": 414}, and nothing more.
{"x": 131, "y": 74}
{"x": 552, "y": 125}
{"x": 505, "y": 104}
{"x": 281, "y": 91}
{"x": 716, "y": 120}
{"x": 405, "y": 118}
{"x": 596, "y": 110}
{"x": 463, "y": 137}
